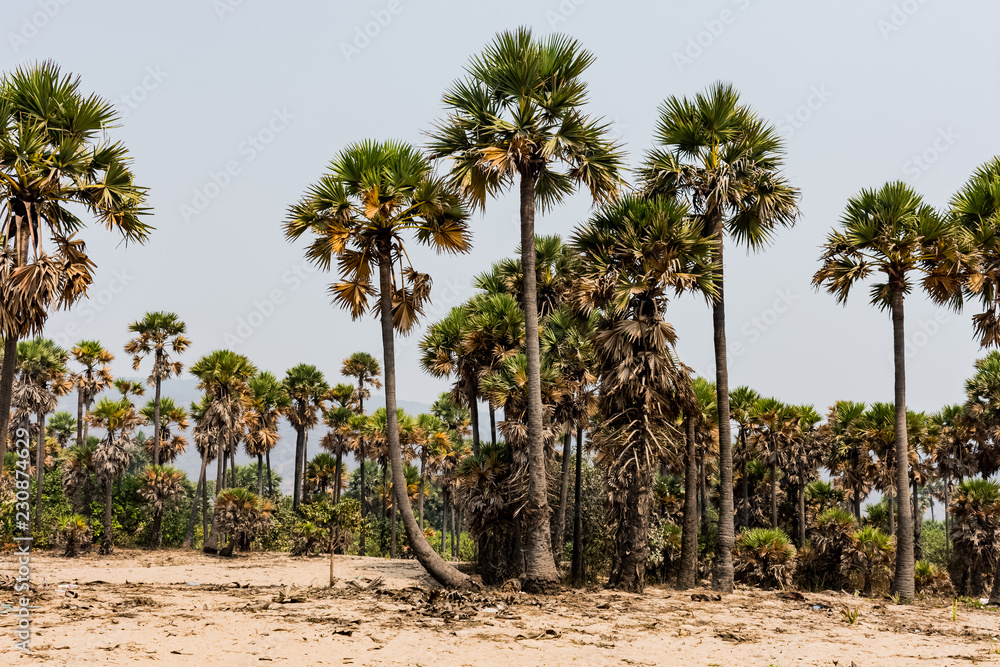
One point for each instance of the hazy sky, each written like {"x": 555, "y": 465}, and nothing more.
{"x": 232, "y": 108}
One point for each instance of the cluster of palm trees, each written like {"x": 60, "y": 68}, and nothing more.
{"x": 566, "y": 338}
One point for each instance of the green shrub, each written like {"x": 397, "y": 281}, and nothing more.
{"x": 764, "y": 557}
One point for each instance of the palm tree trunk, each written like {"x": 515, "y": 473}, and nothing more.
{"x": 232, "y": 461}
{"x": 260, "y": 475}
{"x": 445, "y": 575}
{"x": 473, "y": 399}
{"x": 918, "y": 551}
{"x": 903, "y": 583}
{"x": 892, "y": 515}
{"x": 364, "y": 506}
{"x": 745, "y": 483}
{"x": 339, "y": 477}
{"x": 305, "y": 461}
{"x": 722, "y": 574}
{"x": 23, "y": 216}
{"x": 577, "y": 567}
{"x": 297, "y": 481}
{"x": 392, "y": 546}
{"x": 199, "y": 491}
{"x": 688, "y": 576}
{"x": 947, "y": 536}
{"x": 454, "y": 531}
{"x": 802, "y": 508}
{"x": 106, "y": 541}
{"x": 493, "y": 424}
{"x": 540, "y": 569}
{"x": 39, "y": 470}
{"x": 158, "y": 527}
{"x": 212, "y": 541}
{"x": 420, "y": 500}
{"x": 156, "y": 416}
{"x": 774, "y": 493}
{"x": 79, "y": 417}
{"x": 559, "y": 537}
{"x": 444, "y": 520}
{"x": 270, "y": 480}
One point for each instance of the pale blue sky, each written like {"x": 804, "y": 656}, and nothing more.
{"x": 235, "y": 107}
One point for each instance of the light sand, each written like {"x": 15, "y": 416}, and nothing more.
{"x": 137, "y": 607}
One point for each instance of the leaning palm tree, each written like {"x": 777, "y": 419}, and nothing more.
{"x": 717, "y": 154}
{"x": 636, "y": 254}
{"x": 158, "y": 334}
{"x": 55, "y": 163}
{"x": 892, "y": 232}
{"x": 359, "y": 212}
{"x": 159, "y": 486}
{"x": 92, "y": 380}
{"x": 224, "y": 376}
{"x": 111, "y": 458}
{"x": 518, "y": 117}
{"x": 306, "y": 389}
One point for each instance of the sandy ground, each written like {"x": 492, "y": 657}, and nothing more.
{"x": 140, "y": 607}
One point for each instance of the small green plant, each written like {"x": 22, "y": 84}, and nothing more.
{"x": 895, "y": 598}
{"x": 850, "y": 615}
{"x": 954, "y": 610}
{"x": 994, "y": 648}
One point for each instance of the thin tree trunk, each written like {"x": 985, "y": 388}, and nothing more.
{"x": 892, "y": 515}
{"x": 158, "y": 528}
{"x": 156, "y": 416}
{"x": 39, "y": 470}
{"x": 744, "y": 484}
{"x": 297, "y": 481}
{"x": 688, "y": 575}
{"x": 947, "y": 535}
{"x": 559, "y": 538}
{"x": 903, "y": 582}
{"x": 774, "y": 493}
{"x": 212, "y": 541}
{"x": 802, "y": 508}
{"x": 540, "y": 569}
{"x": 473, "y": 399}
{"x": 79, "y": 417}
{"x": 918, "y": 550}
{"x": 106, "y": 542}
{"x": 577, "y": 567}
{"x": 340, "y": 477}
{"x": 200, "y": 490}
{"x": 444, "y": 521}
{"x": 260, "y": 475}
{"x": 445, "y": 575}
{"x": 232, "y": 461}
{"x": 454, "y": 532}
{"x": 420, "y": 499}
{"x": 392, "y": 547}
{"x": 722, "y": 574}
{"x": 270, "y": 480}
{"x": 23, "y": 217}
{"x": 493, "y": 424}
{"x": 364, "y": 506}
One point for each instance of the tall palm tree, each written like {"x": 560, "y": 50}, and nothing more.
{"x": 635, "y": 255}
{"x": 95, "y": 378}
{"x": 55, "y": 162}
{"x": 365, "y": 369}
{"x": 42, "y": 378}
{"x": 518, "y": 116}
{"x": 848, "y": 453}
{"x": 307, "y": 390}
{"x": 269, "y": 400}
{"x": 206, "y": 439}
{"x": 158, "y": 334}
{"x": 359, "y": 212}
{"x": 77, "y": 471}
{"x": 718, "y": 155}
{"x": 224, "y": 376}
{"x": 159, "y": 486}
{"x": 741, "y": 402}
{"x": 171, "y": 416}
{"x": 892, "y": 232}
{"x": 337, "y": 421}
{"x": 773, "y": 426}
{"x": 111, "y": 458}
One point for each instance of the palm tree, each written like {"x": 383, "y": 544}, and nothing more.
{"x": 41, "y": 380}
{"x": 518, "y": 116}
{"x": 269, "y": 400}
{"x": 48, "y": 175}
{"x": 891, "y": 231}
{"x": 224, "y": 376}
{"x": 158, "y": 334}
{"x": 61, "y": 426}
{"x": 365, "y": 369}
{"x": 95, "y": 378}
{"x": 718, "y": 155}
{"x": 170, "y": 416}
{"x": 635, "y": 255}
{"x": 373, "y": 194}
{"x": 160, "y": 485}
{"x": 307, "y": 390}
{"x": 336, "y": 441}
{"x": 773, "y": 425}
{"x": 802, "y": 459}
{"x": 741, "y": 402}
{"x": 848, "y": 453}
{"x": 206, "y": 439}
{"x": 77, "y": 470}
{"x": 129, "y": 388}
{"x": 111, "y": 458}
